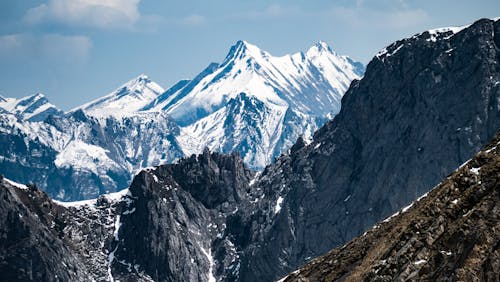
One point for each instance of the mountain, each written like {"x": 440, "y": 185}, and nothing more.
{"x": 98, "y": 147}
{"x": 126, "y": 100}
{"x": 451, "y": 233}
{"x": 32, "y": 108}
{"x": 425, "y": 105}
{"x": 419, "y": 112}
{"x": 294, "y": 95}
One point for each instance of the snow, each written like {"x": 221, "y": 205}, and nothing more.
{"x": 208, "y": 254}
{"x": 111, "y": 197}
{"x": 419, "y": 262}
{"x": 282, "y": 84}
{"x": 117, "y": 227}
{"x": 15, "y": 184}
{"x": 475, "y": 170}
{"x": 27, "y": 107}
{"x": 128, "y": 99}
{"x": 81, "y": 155}
{"x": 277, "y": 207}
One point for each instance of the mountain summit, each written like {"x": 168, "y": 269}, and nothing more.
{"x": 32, "y": 108}
{"x": 295, "y": 94}
{"x": 126, "y": 100}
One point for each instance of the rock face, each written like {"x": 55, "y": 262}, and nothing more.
{"x": 424, "y": 106}
{"x": 451, "y": 234}
{"x": 32, "y": 248}
{"x": 178, "y": 218}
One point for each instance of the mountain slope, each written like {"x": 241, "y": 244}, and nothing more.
{"x": 450, "y": 234}
{"x": 127, "y": 99}
{"x": 31, "y": 108}
{"x": 420, "y": 111}
{"x": 303, "y": 87}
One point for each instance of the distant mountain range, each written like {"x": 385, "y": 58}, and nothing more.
{"x": 424, "y": 107}
{"x": 252, "y": 103}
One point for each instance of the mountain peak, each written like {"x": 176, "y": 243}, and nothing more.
{"x": 319, "y": 48}
{"x": 127, "y": 99}
{"x": 242, "y": 49}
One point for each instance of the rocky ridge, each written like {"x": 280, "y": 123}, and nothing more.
{"x": 449, "y": 234}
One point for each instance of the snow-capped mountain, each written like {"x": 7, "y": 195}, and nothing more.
{"x": 293, "y": 94}
{"x": 33, "y": 108}
{"x": 126, "y": 100}
{"x": 251, "y": 103}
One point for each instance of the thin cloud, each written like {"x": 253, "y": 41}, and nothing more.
{"x": 362, "y": 17}
{"x": 193, "y": 20}
{"x": 94, "y": 13}
{"x": 53, "y": 48}
{"x": 270, "y": 12}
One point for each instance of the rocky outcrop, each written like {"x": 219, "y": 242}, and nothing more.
{"x": 32, "y": 247}
{"x": 175, "y": 228}
{"x": 451, "y": 234}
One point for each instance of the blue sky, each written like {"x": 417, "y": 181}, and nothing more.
{"x": 77, "y": 50}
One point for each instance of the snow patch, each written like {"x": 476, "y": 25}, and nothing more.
{"x": 475, "y": 170}
{"x": 277, "y": 207}
{"x": 419, "y": 262}
{"x": 15, "y": 184}
{"x": 83, "y": 156}
{"x": 208, "y": 254}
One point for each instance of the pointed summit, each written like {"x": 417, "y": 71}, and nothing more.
{"x": 243, "y": 49}
{"x": 319, "y": 48}
{"x": 127, "y": 99}
{"x": 35, "y": 107}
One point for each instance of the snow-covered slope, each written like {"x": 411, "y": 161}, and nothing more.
{"x": 294, "y": 93}
{"x": 33, "y": 108}
{"x": 126, "y": 100}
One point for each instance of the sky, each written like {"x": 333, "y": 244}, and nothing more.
{"x": 75, "y": 51}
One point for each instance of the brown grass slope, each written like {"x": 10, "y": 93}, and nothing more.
{"x": 452, "y": 234}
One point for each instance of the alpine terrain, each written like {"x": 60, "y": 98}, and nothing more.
{"x": 252, "y": 103}
{"x": 425, "y": 105}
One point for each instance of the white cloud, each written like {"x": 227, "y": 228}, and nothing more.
{"x": 94, "y": 13}
{"x": 52, "y": 48}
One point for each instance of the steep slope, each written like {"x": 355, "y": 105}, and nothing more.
{"x": 30, "y": 249}
{"x": 451, "y": 234}
{"x": 297, "y": 92}
{"x": 31, "y": 108}
{"x": 127, "y": 99}
{"x": 424, "y": 106}
{"x": 45, "y": 240}
{"x": 179, "y": 217}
